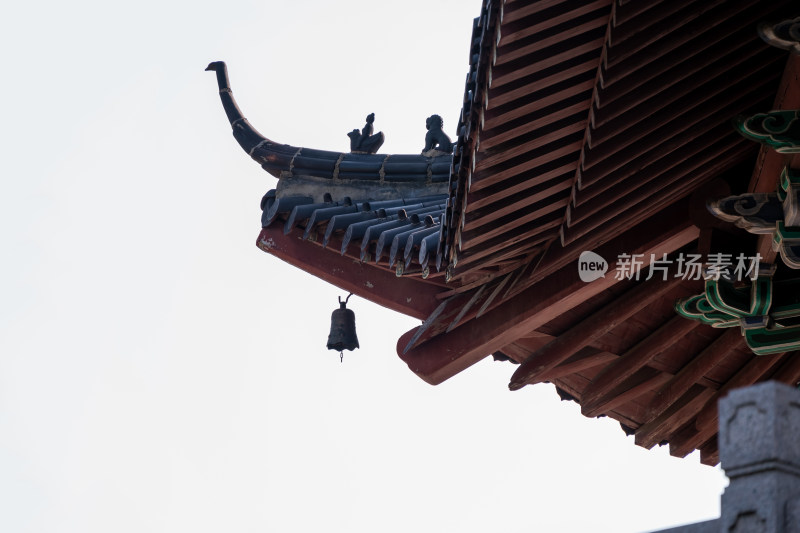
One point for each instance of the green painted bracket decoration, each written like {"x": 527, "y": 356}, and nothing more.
{"x": 776, "y": 214}
{"x": 779, "y": 130}
{"x": 767, "y": 311}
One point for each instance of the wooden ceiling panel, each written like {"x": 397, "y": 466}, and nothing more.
{"x": 595, "y": 122}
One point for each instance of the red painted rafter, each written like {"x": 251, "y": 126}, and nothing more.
{"x": 590, "y": 329}
{"x": 596, "y": 394}
{"x": 444, "y": 355}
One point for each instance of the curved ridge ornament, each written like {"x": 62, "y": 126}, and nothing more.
{"x": 410, "y": 174}
{"x": 780, "y": 130}
{"x": 364, "y": 141}
{"x": 785, "y": 34}
{"x": 245, "y": 134}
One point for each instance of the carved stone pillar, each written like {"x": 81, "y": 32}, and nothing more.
{"x": 759, "y": 446}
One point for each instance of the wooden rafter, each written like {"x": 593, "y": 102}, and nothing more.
{"x": 697, "y": 433}
{"x": 443, "y": 356}
{"x": 676, "y": 415}
{"x": 613, "y": 375}
{"x": 590, "y": 329}
{"x": 694, "y": 370}
{"x": 631, "y": 389}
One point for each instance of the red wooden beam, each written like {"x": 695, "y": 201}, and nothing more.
{"x": 755, "y": 370}
{"x": 410, "y": 296}
{"x": 694, "y": 370}
{"x": 584, "y": 360}
{"x": 632, "y": 388}
{"x": 709, "y": 452}
{"x": 590, "y": 329}
{"x": 678, "y": 414}
{"x": 770, "y": 163}
{"x": 705, "y": 425}
{"x": 631, "y": 361}
{"x": 445, "y": 355}
{"x": 649, "y": 227}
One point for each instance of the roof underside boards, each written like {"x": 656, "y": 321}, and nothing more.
{"x": 588, "y": 126}
{"x": 592, "y": 112}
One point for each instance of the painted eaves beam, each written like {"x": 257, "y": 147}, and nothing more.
{"x": 445, "y": 355}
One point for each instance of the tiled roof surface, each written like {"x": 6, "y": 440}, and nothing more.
{"x": 401, "y": 233}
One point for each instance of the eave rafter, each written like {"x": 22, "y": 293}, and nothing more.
{"x": 595, "y": 397}
{"x": 590, "y": 329}
{"x": 520, "y": 313}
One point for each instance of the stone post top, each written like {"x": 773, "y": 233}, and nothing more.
{"x": 759, "y": 429}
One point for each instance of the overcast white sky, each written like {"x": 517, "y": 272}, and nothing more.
{"x": 159, "y": 373}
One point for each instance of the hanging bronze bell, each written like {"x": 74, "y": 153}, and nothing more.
{"x": 343, "y": 328}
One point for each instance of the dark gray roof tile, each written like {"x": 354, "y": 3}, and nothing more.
{"x": 341, "y": 222}
{"x": 283, "y": 206}
{"x": 320, "y": 216}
